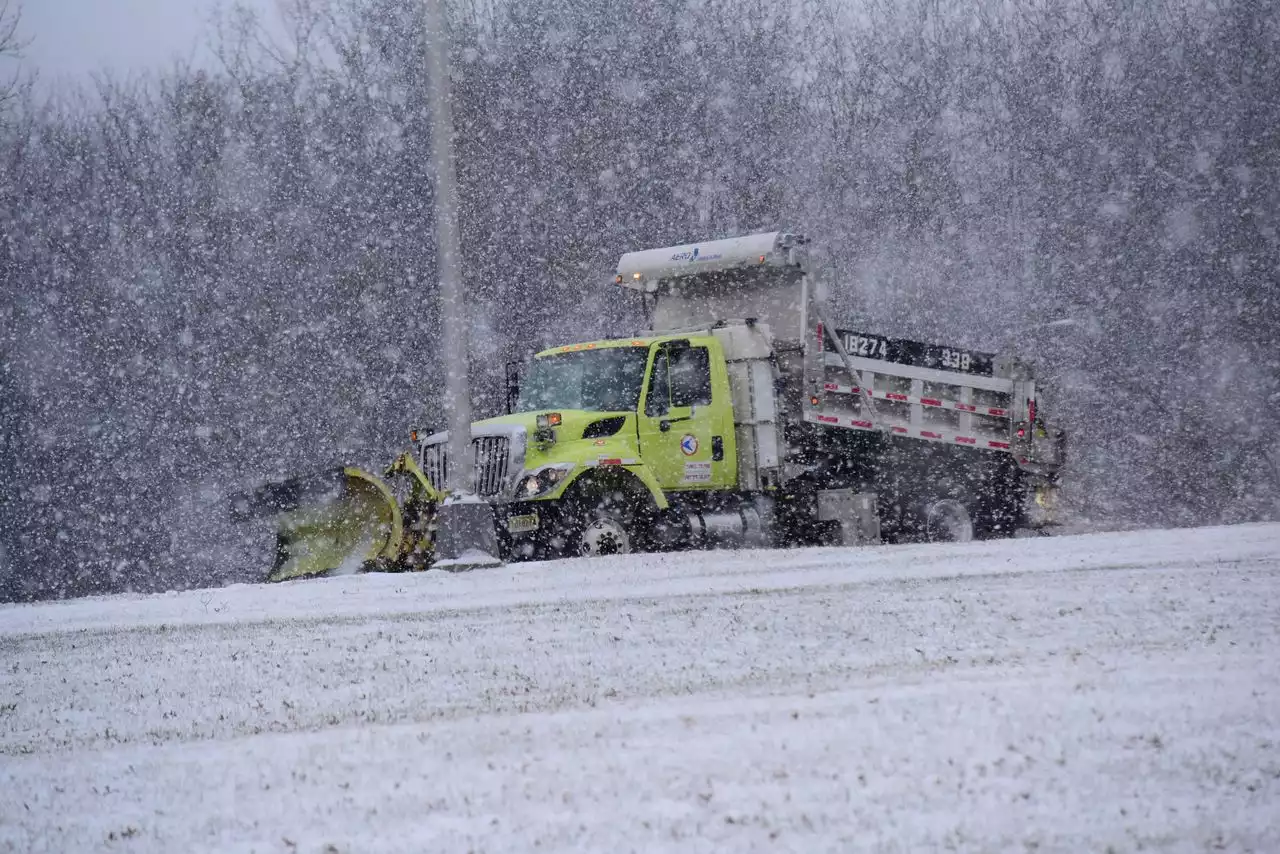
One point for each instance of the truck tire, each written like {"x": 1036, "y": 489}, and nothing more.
{"x": 607, "y": 517}
{"x": 948, "y": 521}
{"x": 604, "y": 535}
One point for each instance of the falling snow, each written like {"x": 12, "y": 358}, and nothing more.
{"x": 218, "y": 276}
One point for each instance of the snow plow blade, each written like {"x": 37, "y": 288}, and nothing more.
{"x": 338, "y": 521}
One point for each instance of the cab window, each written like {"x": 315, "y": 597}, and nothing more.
{"x": 690, "y": 377}
{"x": 681, "y": 377}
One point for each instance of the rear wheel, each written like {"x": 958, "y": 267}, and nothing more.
{"x": 948, "y": 521}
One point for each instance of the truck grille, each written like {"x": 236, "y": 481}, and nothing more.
{"x": 491, "y": 454}
{"x": 492, "y": 460}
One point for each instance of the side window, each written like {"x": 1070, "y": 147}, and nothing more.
{"x": 690, "y": 376}
{"x": 659, "y": 386}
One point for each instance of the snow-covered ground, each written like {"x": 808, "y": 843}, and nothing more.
{"x": 1106, "y": 692}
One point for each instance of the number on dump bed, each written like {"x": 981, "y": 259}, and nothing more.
{"x": 863, "y": 345}
{"x": 957, "y": 360}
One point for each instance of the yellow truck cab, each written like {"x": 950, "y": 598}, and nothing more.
{"x": 604, "y": 424}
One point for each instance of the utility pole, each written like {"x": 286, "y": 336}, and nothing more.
{"x": 448, "y": 251}
{"x": 466, "y": 538}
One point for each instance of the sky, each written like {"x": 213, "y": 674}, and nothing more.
{"x": 70, "y": 39}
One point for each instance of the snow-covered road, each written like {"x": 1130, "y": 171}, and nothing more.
{"x": 1073, "y": 694}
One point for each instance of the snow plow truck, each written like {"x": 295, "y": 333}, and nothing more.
{"x": 742, "y": 417}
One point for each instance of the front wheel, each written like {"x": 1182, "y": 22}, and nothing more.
{"x": 604, "y": 535}
{"x": 608, "y": 519}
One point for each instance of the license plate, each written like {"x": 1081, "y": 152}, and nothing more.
{"x": 522, "y": 524}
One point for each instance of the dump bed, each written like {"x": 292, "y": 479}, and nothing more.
{"x": 931, "y": 392}
{"x": 850, "y": 379}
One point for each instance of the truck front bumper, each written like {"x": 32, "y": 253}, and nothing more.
{"x": 530, "y": 530}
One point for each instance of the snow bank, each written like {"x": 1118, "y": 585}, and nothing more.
{"x": 1059, "y": 694}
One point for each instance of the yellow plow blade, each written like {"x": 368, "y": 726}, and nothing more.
{"x": 345, "y": 520}
{"x": 339, "y": 521}
{"x": 341, "y": 536}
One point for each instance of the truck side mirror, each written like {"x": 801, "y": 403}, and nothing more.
{"x": 512, "y": 379}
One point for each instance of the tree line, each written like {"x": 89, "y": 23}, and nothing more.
{"x": 216, "y": 276}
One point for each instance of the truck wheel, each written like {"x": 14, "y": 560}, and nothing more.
{"x": 607, "y": 521}
{"x": 948, "y": 521}
{"x": 604, "y": 536}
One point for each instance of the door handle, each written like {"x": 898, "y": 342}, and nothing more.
{"x": 665, "y": 424}
{"x": 717, "y": 448}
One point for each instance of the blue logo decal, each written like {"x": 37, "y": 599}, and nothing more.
{"x": 695, "y": 254}
{"x": 689, "y": 445}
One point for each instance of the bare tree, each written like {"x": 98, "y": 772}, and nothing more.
{"x": 212, "y": 278}
{"x": 11, "y": 45}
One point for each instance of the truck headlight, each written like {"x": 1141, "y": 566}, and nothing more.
{"x": 542, "y": 481}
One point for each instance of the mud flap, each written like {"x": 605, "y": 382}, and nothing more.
{"x": 856, "y": 515}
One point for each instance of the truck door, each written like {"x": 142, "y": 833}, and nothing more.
{"x": 681, "y": 425}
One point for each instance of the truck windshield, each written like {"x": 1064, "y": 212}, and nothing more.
{"x": 603, "y": 380}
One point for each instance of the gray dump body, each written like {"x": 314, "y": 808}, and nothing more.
{"x": 788, "y": 365}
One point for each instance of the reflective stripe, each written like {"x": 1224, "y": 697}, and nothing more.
{"x": 931, "y": 435}
{"x": 937, "y": 403}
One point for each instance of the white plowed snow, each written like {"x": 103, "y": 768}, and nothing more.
{"x": 1068, "y": 694}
